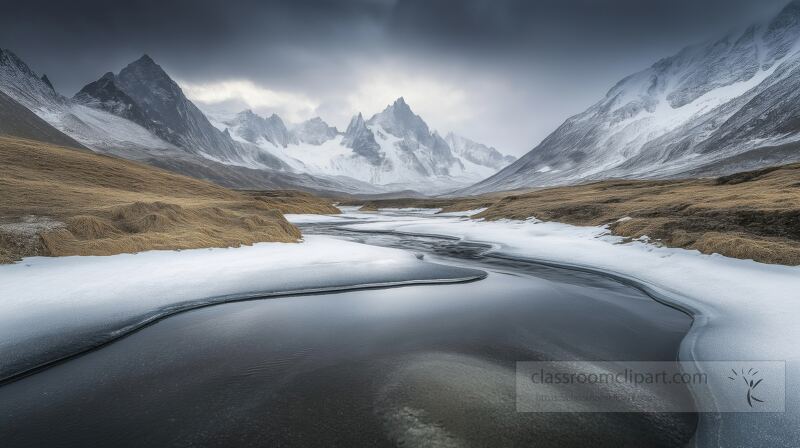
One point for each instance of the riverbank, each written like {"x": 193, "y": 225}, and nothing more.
{"x": 54, "y": 308}
{"x": 380, "y": 367}
{"x": 749, "y": 215}
{"x": 744, "y": 310}
{"x": 60, "y": 201}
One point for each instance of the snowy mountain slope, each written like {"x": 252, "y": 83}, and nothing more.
{"x": 711, "y": 108}
{"x": 424, "y": 151}
{"x": 395, "y": 149}
{"x": 16, "y": 120}
{"x": 477, "y": 153}
{"x": 101, "y": 116}
{"x": 94, "y": 128}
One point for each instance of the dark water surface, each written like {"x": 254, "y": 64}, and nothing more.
{"x": 411, "y": 366}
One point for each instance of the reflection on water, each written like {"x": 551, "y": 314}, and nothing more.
{"x": 413, "y": 366}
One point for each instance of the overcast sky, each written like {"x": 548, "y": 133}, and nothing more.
{"x": 505, "y": 73}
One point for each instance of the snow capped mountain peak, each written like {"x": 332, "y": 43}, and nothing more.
{"x": 92, "y": 126}
{"x": 171, "y": 116}
{"x": 362, "y": 140}
{"x": 314, "y": 131}
{"x": 399, "y": 120}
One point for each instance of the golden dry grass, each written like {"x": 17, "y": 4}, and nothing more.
{"x": 63, "y": 201}
{"x": 752, "y": 215}
{"x": 292, "y": 201}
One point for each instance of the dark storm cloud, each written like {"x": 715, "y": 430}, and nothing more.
{"x": 524, "y": 65}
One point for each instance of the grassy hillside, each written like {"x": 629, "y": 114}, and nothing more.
{"x": 64, "y": 201}
{"x": 751, "y": 215}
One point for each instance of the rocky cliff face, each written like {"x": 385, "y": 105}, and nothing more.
{"x": 362, "y": 141}
{"x": 169, "y": 114}
{"x": 104, "y": 94}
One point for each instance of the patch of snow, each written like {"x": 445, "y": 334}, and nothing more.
{"x": 56, "y": 307}
{"x": 465, "y": 213}
{"x": 411, "y": 210}
{"x": 298, "y": 218}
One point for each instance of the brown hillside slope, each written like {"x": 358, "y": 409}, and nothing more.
{"x": 752, "y": 215}
{"x": 62, "y": 201}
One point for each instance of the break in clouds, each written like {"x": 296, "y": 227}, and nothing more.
{"x": 504, "y": 73}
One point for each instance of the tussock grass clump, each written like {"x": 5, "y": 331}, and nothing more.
{"x": 86, "y": 227}
{"x": 62, "y": 201}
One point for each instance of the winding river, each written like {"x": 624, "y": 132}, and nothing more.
{"x": 428, "y": 365}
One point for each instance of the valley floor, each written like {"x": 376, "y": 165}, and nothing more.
{"x": 750, "y": 215}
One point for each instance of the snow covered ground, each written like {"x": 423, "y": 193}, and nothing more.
{"x": 743, "y": 310}
{"x": 55, "y": 307}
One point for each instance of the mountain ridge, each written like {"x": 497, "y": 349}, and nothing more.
{"x": 699, "y": 110}
{"x": 394, "y": 148}
{"x": 141, "y": 113}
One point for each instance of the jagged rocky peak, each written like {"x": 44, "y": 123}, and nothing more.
{"x": 362, "y": 140}
{"x": 314, "y": 131}
{"x": 478, "y": 153}
{"x": 104, "y": 94}
{"x": 399, "y": 120}
{"x": 148, "y": 83}
{"x": 169, "y": 114}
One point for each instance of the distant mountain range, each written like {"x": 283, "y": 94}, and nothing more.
{"x": 394, "y": 148}
{"x": 715, "y": 108}
{"x": 142, "y": 114}
{"x": 711, "y": 109}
